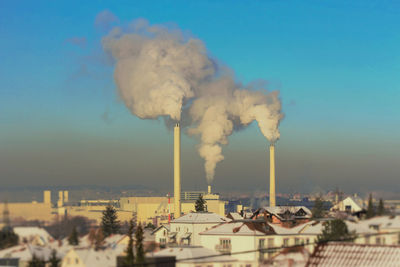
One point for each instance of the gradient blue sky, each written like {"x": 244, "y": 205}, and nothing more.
{"x": 336, "y": 64}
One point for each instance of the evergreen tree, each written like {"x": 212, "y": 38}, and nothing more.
{"x": 73, "y": 238}
{"x": 130, "y": 257}
{"x": 335, "y": 230}
{"x": 318, "y": 209}
{"x": 109, "y": 223}
{"x": 36, "y": 262}
{"x": 370, "y": 209}
{"x": 8, "y": 238}
{"x": 139, "y": 246}
{"x": 54, "y": 260}
{"x": 200, "y": 204}
{"x": 381, "y": 208}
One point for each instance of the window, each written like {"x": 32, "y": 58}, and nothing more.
{"x": 367, "y": 240}
{"x": 261, "y": 243}
{"x": 297, "y": 241}
{"x": 225, "y": 243}
{"x": 307, "y": 241}
{"x": 378, "y": 241}
{"x": 286, "y": 242}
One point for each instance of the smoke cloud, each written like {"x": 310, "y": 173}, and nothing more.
{"x": 161, "y": 74}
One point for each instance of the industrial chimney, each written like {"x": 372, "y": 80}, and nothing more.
{"x": 209, "y": 189}
{"x": 272, "y": 199}
{"x": 177, "y": 171}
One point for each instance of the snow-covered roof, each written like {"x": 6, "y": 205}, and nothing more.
{"x": 351, "y": 254}
{"x": 315, "y": 228}
{"x": 282, "y": 209}
{"x": 193, "y": 255}
{"x": 384, "y": 222}
{"x": 251, "y": 228}
{"x": 25, "y": 252}
{"x": 91, "y": 257}
{"x": 162, "y": 226}
{"x": 201, "y": 217}
{"x": 28, "y": 233}
{"x": 279, "y": 230}
{"x": 113, "y": 239}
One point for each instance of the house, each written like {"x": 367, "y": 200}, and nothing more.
{"x": 186, "y": 229}
{"x": 25, "y": 252}
{"x": 355, "y": 255}
{"x": 33, "y": 235}
{"x": 196, "y": 256}
{"x": 387, "y": 226}
{"x": 351, "y": 204}
{"x": 238, "y": 236}
{"x": 287, "y": 216}
{"x": 88, "y": 257}
{"x": 161, "y": 235}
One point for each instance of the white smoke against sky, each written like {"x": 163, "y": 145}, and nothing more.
{"x": 160, "y": 73}
{"x": 156, "y": 69}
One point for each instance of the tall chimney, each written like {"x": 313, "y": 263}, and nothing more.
{"x": 66, "y": 196}
{"x": 177, "y": 171}
{"x": 60, "y": 201}
{"x": 272, "y": 199}
{"x": 209, "y": 189}
{"x": 47, "y": 196}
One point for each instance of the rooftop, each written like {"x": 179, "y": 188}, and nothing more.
{"x": 355, "y": 255}
{"x": 201, "y": 217}
{"x": 240, "y": 228}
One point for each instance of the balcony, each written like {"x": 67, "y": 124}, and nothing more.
{"x": 225, "y": 249}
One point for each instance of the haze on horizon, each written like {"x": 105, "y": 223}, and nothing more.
{"x": 335, "y": 64}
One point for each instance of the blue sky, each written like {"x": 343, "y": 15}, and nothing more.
{"x": 336, "y": 64}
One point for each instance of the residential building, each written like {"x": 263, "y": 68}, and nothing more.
{"x": 240, "y": 236}
{"x": 350, "y": 204}
{"x": 25, "y": 252}
{"x": 196, "y": 256}
{"x": 88, "y": 257}
{"x": 36, "y": 236}
{"x": 186, "y": 229}
{"x": 287, "y": 216}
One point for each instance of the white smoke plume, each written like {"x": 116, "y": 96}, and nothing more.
{"x": 156, "y": 69}
{"x": 159, "y": 73}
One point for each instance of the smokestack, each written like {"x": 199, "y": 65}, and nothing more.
{"x": 177, "y": 171}
{"x": 272, "y": 200}
{"x": 60, "y": 201}
{"x": 66, "y": 196}
{"x": 47, "y": 196}
{"x": 209, "y": 189}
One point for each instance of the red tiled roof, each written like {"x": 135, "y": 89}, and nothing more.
{"x": 355, "y": 255}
